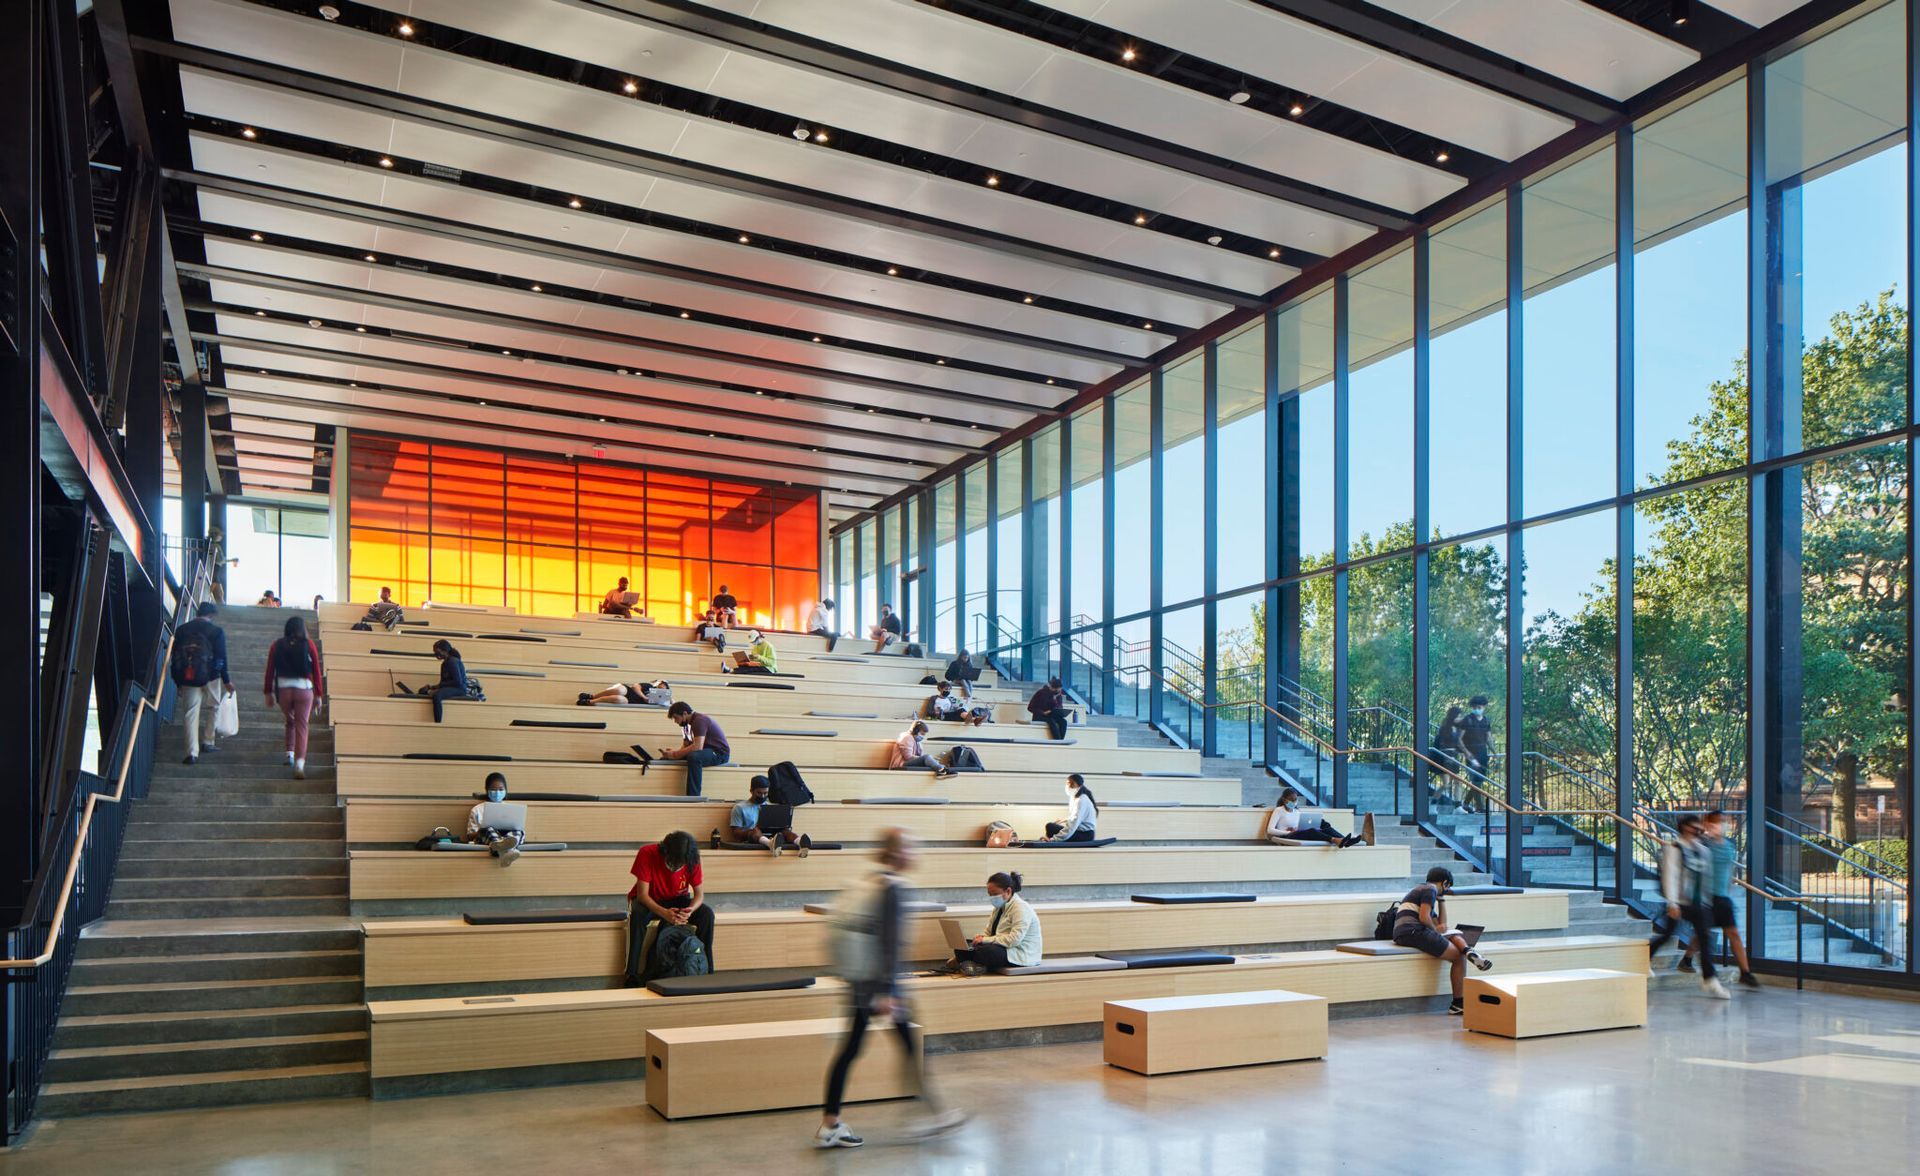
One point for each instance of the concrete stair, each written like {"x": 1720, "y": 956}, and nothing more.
{"x": 226, "y": 970}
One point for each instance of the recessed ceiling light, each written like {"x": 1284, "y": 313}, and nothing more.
{"x": 744, "y": 239}
{"x": 1214, "y": 240}
{"x": 405, "y": 29}
{"x": 1147, "y": 326}
{"x": 816, "y": 338}
{"x": 1441, "y": 156}
{"x": 483, "y": 404}
{"x": 314, "y": 323}
{"x": 255, "y": 237}
{"x": 620, "y": 371}
{"x": 249, "y": 133}
{"x": 1297, "y": 109}
{"x": 819, "y": 136}
{"x": 941, "y": 362}
{"x": 1028, "y": 300}
{"x": 1139, "y": 218}
{"x": 329, "y": 12}
{"x": 1273, "y": 253}
{"x": 371, "y": 257}
{"x": 803, "y": 132}
{"x": 574, "y": 202}
{"x": 1239, "y": 97}
{"x": 629, "y": 87}
{"x": 360, "y": 330}
{"x": 603, "y": 420}
{"x": 1129, "y": 54}
{"x": 873, "y": 410}
{"x": 993, "y": 181}
{"x": 686, "y": 314}
{"x": 260, "y": 313}
{"x": 385, "y": 162}
{"x": 926, "y": 420}
{"x": 535, "y": 287}
{"x": 893, "y": 271}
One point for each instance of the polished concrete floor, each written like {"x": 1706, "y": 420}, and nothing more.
{"x": 1771, "y": 1082}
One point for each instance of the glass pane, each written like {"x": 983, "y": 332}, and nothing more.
{"x": 1380, "y": 407}
{"x": 1046, "y": 519}
{"x": 469, "y": 492}
{"x": 946, "y": 568}
{"x": 387, "y": 484}
{"x": 975, "y": 605}
{"x": 1306, "y": 435}
{"x": 1380, "y": 684}
{"x": 540, "y": 580}
{"x": 1467, "y": 377}
{"x": 1132, "y": 500}
{"x": 1240, "y": 446}
{"x": 890, "y": 558}
{"x": 867, "y": 608}
{"x": 1240, "y": 666}
{"x": 1008, "y": 536}
{"x": 1089, "y": 517}
{"x": 1303, "y": 683}
{"x": 843, "y": 591}
{"x": 796, "y": 528}
{"x": 1690, "y": 290}
{"x": 1567, "y": 272}
{"x": 1185, "y": 672}
{"x": 1183, "y": 482}
{"x": 1467, "y": 660}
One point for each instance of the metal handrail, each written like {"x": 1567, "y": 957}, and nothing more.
{"x": 95, "y": 799}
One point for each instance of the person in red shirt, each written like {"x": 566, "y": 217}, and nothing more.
{"x": 666, "y": 886}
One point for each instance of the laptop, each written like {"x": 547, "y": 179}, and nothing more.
{"x": 776, "y": 818}
{"x": 956, "y": 938}
{"x": 742, "y": 658}
{"x": 967, "y": 673}
{"x": 501, "y": 814}
{"x": 629, "y": 598}
{"x": 1469, "y": 932}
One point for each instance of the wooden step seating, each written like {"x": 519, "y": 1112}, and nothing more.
{"x": 765, "y": 1066}
{"x": 1210, "y": 1031}
{"x": 403, "y": 875}
{"x": 377, "y": 822}
{"x": 414, "y": 953}
{"x": 365, "y": 776}
{"x": 1535, "y": 1004}
{"x": 593, "y": 625}
{"x": 650, "y": 723}
{"x": 413, "y": 1038}
{"x": 545, "y": 743}
{"x": 362, "y": 677}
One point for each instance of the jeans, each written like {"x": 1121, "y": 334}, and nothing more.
{"x": 699, "y": 761}
{"x": 824, "y": 633}
{"x": 297, "y": 706}
{"x": 861, "y": 1014}
{"x": 441, "y": 694}
{"x": 1325, "y": 832}
{"x": 639, "y": 915}
{"x": 922, "y": 761}
{"x": 1056, "y": 722}
{"x": 202, "y": 705}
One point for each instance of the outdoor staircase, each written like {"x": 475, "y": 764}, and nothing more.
{"x": 226, "y": 969}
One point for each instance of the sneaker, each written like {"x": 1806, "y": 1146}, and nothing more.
{"x": 1749, "y": 980}
{"x": 1714, "y": 988}
{"x": 1685, "y": 964}
{"x": 586, "y": 699}
{"x": 1456, "y": 1009}
{"x": 971, "y": 969}
{"x": 713, "y": 839}
{"x": 205, "y": 747}
{"x": 1366, "y": 830}
{"x": 299, "y": 769}
{"x": 509, "y": 855}
{"x": 191, "y": 760}
{"x": 806, "y": 845}
{"x": 836, "y": 1136}
{"x": 289, "y": 759}
{"x": 1479, "y": 961}
{"x": 1349, "y": 839}
{"x": 773, "y": 843}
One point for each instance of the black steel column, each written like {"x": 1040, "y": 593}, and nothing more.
{"x": 1514, "y": 872}
{"x": 1625, "y": 784}
{"x": 1422, "y": 508}
{"x": 1156, "y": 457}
{"x": 991, "y": 604}
{"x": 1031, "y": 573}
{"x": 960, "y": 561}
{"x": 1277, "y": 505}
{"x": 193, "y": 463}
{"x": 1063, "y": 619}
{"x": 1342, "y": 426}
{"x": 1108, "y": 687}
{"x": 1913, "y": 543}
{"x": 1210, "y": 547}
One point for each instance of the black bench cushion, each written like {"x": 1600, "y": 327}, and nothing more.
{"x": 1096, "y": 843}
{"x": 563, "y": 915}
{"x": 761, "y": 685}
{"x": 442, "y": 755}
{"x": 794, "y": 731}
{"x": 895, "y": 800}
{"x": 559, "y": 723}
{"x": 758, "y": 848}
{"x": 1465, "y": 890}
{"x": 743, "y": 980}
{"x": 1185, "y": 899}
{"x": 1173, "y": 958}
{"x": 1164, "y": 775}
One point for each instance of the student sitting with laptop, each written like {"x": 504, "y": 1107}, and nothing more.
{"x": 1290, "y": 825}
{"x": 946, "y": 706}
{"x": 499, "y": 826}
{"x": 758, "y": 657}
{"x": 757, "y": 821}
{"x": 1012, "y": 938}
{"x": 1420, "y": 921}
{"x": 656, "y": 693}
{"x": 619, "y": 602}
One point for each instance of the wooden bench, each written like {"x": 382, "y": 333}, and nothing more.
{"x": 419, "y": 952}
{"x": 764, "y": 1066}
{"x": 419, "y": 1037}
{"x": 358, "y": 776}
{"x": 1575, "y": 1000}
{"x": 398, "y": 875}
{"x": 1171, "y": 1034}
{"x": 373, "y": 821}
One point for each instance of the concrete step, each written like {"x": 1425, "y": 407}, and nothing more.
{"x": 206, "y": 995}
{"x": 192, "y": 1058}
{"x": 261, "y": 886}
{"x": 246, "y": 965}
{"x": 224, "y": 908}
{"x": 208, "y": 1025}
{"x": 236, "y": 847}
{"x": 186, "y": 867}
{"x": 159, "y": 828}
{"x": 218, "y": 1088}
{"x": 183, "y": 797}
{"x": 116, "y": 938}
{"x": 212, "y": 785}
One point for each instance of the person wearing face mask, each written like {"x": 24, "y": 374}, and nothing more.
{"x": 1476, "y": 739}
{"x": 503, "y": 843}
{"x": 1290, "y": 825}
{"x": 1012, "y": 938}
{"x": 1083, "y": 814}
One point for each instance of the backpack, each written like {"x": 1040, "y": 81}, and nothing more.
{"x": 677, "y": 951}
{"x": 914, "y": 650}
{"x": 192, "y": 661}
{"x": 963, "y": 759}
{"x": 1383, "y": 922}
{"x": 999, "y": 835}
{"x": 929, "y": 680}
{"x": 785, "y": 785}
{"x": 440, "y": 833}
{"x": 474, "y": 693}
{"x": 306, "y": 667}
{"x": 854, "y": 933}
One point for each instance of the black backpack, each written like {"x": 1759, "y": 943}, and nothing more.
{"x": 785, "y": 785}
{"x": 192, "y": 661}
{"x": 677, "y": 951}
{"x": 914, "y": 650}
{"x": 1383, "y": 922}
{"x": 964, "y": 759}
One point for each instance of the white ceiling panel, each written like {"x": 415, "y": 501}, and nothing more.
{"x": 1107, "y": 92}
{"x": 608, "y": 38}
{"x": 1567, "y": 38}
{"x": 266, "y": 106}
{"x": 1309, "y": 59}
{"x": 1758, "y": 12}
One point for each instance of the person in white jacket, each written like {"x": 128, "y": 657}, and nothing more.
{"x": 1012, "y": 938}
{"x": 1082, "y": 822}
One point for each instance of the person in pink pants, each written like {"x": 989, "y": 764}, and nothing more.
{"x": 296, "y": 682}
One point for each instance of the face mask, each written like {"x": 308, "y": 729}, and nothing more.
{"x": 998, "y": 900}
{"x": 496, "y": 795}
{"x": 1479, "y": 710}
{"x": 1293, "y": 805}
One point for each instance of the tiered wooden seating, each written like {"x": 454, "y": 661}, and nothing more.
{"x": 761, "y": 1066}
{"x": 438, "y": 1036}
{"x": 405, "y": 874}
{"x": 1173, "y": 1034}
{"x": 393, "y": 776}
{"x": 408, "y": 953}
{"x": 1536, "y": 1004}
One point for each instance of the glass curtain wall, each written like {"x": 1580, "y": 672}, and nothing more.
{"x": 973, "y": 604}
{"x": 944, "y": 631}
{"x": 1044, "y": 600}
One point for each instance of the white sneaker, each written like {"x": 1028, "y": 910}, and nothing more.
{"x": 836, "y": 1136}
{"x": 1714, "y": 988}
{"x": 289, "y": 758}
{"x": 299, "y": 769}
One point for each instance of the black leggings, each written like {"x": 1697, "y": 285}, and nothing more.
{"x": 1054, "y": 827}
{"x": 441, "y": 694}
{"x": 861, "y": 1014}
{"x": 1056, "y": 722}
{"x": 987, "y": 955}
{"x": 1696, "y": 915}
{"x": 1326, "y": 832}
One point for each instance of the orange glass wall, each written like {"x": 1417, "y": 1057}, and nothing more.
{"x": 545, "y": 537}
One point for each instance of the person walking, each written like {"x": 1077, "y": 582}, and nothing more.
{"x": 198, "y": 667}
{"x": 867, "y": 933}
{"x": 1476, "y": 743}
{"x": 1676, "y": 887}
{"x": 296, "y": 683}
{"x": 1715, "y": 905}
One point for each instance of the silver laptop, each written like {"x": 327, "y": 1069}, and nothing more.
{"x": 500, "y": 814}
{"x": 956, "y": 938}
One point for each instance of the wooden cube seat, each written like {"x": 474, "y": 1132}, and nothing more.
{"x": 762, "y": 1066}
{"x": 1574, "y": 1000}
{"x": 1171, "y": 1034}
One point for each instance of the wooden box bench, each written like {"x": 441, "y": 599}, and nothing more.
{"x": 766, "y": 1066}
{"x": 1535, "y": 1004}
{"x": 1167, "y": 1035}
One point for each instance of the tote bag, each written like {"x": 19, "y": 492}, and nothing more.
{"x": 226, "y": 721}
